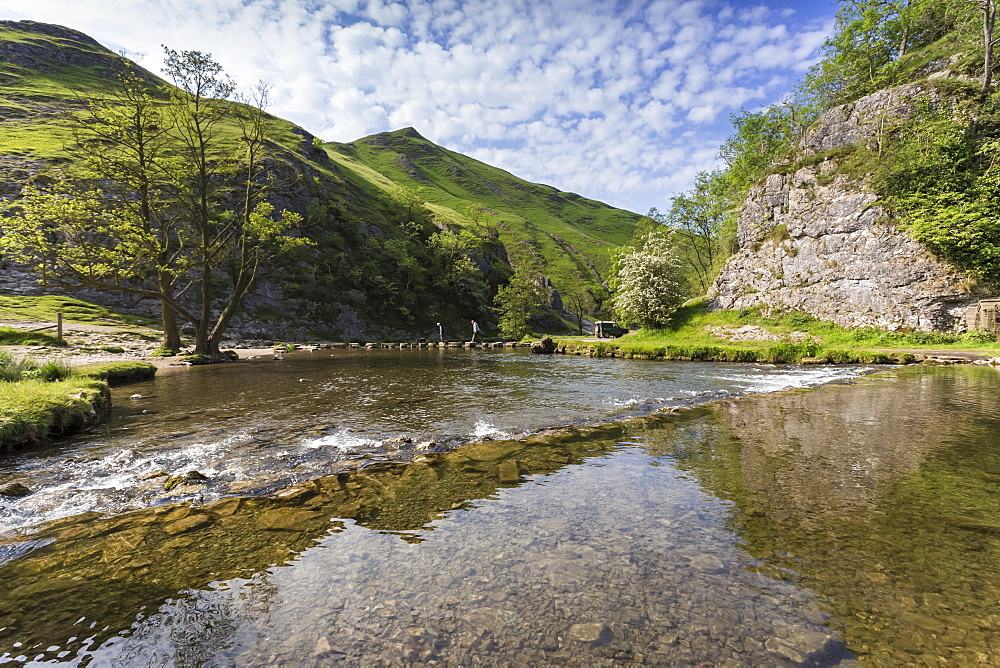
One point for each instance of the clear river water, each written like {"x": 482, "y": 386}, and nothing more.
{"x": 456, "y": 507}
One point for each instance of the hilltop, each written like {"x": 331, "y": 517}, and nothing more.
{"x": 377, "y": 266}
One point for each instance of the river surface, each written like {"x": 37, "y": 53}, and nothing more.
{"x": 261, "y": 426}
{"x": 851, "y": 524}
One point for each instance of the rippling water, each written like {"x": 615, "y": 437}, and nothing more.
{"x": 854, "y": 523}
{"x": 260, "y": 426}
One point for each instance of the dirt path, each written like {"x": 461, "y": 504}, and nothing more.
{"x": 90, "y": 343}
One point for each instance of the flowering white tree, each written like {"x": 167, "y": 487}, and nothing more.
{"x": 648, "y": 280}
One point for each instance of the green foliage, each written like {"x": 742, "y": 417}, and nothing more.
{"x": 757, "y": 140}
{"x": 698, "y": 219}
{"x": 939, "y": 175}
{"x": 879, "y": 43}
{"x": 517, "y": 301}
{"x": 648, "y": 281}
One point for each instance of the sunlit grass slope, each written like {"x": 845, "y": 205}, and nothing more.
{"x": 572, "y": 235}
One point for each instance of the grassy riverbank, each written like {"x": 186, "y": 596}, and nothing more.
{"x": 32, "y": 411}
{"x": 792, "y": 337}
{"x": 41, "y": 400}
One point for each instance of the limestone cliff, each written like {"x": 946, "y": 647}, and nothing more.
{"x": 817, "y": 241}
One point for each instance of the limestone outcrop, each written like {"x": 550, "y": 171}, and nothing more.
{"x": 817, "y": 241}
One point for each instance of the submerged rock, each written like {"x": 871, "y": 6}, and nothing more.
{"x": 14, "y": 489}
{"x": 707, "y": 563}
{"x": 804, "y": 645}
{"x": 189, "y": 478}
{"x": 594, "y": 634}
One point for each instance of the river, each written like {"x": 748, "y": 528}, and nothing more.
{"x": 343, "y": 521}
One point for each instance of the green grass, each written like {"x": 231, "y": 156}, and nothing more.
{"x": 10, "y": 336}
{"x": 688, "y": 338}
{"x": 33, "y": 411}
{"x": 45, "y": 307}
{"x": 568, "y": 232}
{"x": 17, "y": 369}
{"x": 41, "y": 400}
{"x": 117, "y": 373}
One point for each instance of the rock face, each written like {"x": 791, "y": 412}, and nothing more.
{"x": 816, "y": 241}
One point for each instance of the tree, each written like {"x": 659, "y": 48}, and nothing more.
{"x": 869, "y": 37}
{"x": 459, "y": 280}
{"x": 696, "y": 219}
{"x": 119, "y": 236}
{"x": 989, "y": 10}
{"x": 410, "y": 204}
{"x": 484, "y": 220}
{"x": 517, "y": 301}
{"x": 647, "y": 280}
{"x": 582, "y": 303}
{"x": 174, "y": 210}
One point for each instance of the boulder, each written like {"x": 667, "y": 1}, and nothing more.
{"x": 544, "y": 347}
{"x": 189, "y": 478}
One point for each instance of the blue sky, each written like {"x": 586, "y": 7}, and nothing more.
{"x": 618, "y": 101}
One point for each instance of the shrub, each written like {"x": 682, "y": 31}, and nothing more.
{"x": 50, "y": 372}
{"x": 979, "y": 336}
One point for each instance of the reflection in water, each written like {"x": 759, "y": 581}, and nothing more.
{"x": 587, "y": 553}
{"x": 883, "y": 497}
{"x": 845, "y": 523}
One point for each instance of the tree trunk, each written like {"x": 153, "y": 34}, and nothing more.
{"x": 171, "y": 332}
{"x": 989, "y": 20}
{"x": 201, "y": 338}
{"x": 905, "y": 38}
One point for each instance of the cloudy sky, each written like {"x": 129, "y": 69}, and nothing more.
{"x": 619, "y": 100}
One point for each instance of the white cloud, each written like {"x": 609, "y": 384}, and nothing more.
{"x": 620, "y": 101}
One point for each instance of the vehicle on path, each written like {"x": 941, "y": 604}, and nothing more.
{"x": 608, "y": 329}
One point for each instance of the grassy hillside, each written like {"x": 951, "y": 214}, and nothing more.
{"x": 373, "y": 264}
{"x": 570, "y": 234}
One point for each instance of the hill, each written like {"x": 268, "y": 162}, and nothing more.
{"x": 379, "y": 265}
{"x": 570, "y": 235}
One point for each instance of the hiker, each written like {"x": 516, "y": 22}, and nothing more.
{"x": 476, "y": 332}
